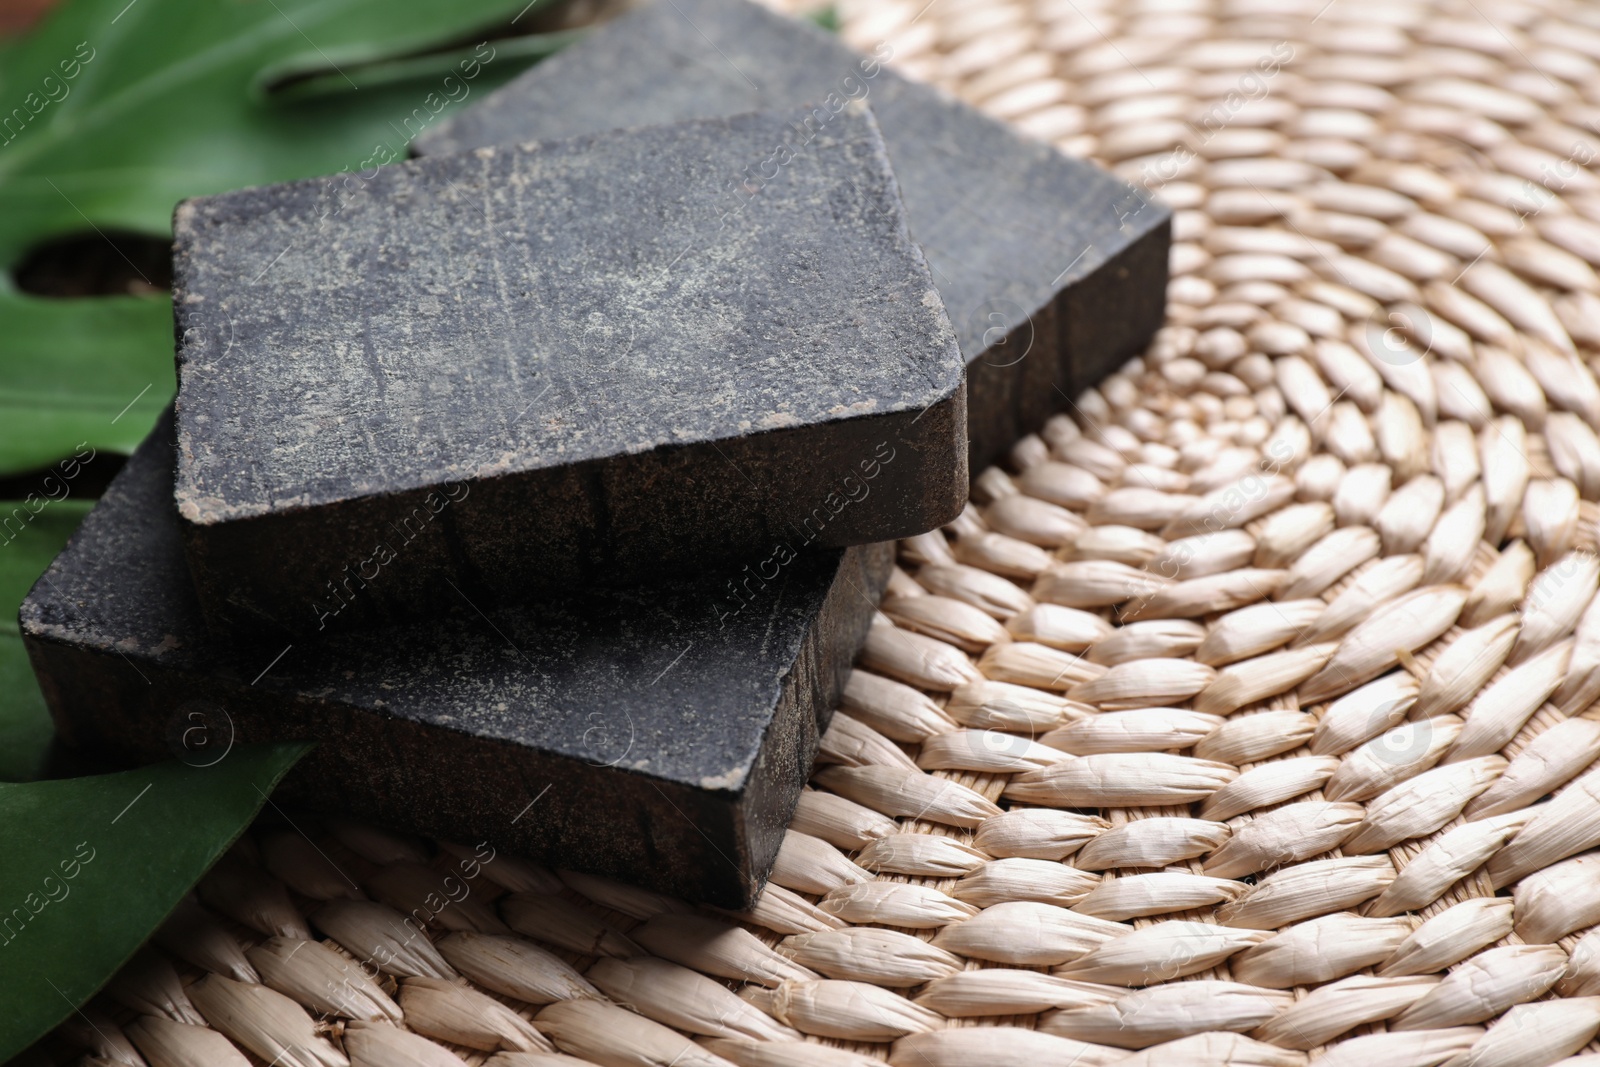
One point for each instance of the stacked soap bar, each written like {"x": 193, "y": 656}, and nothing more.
{"x": 525, "y": 369}
{"x": 546, "y": 483}
{"x": 1053, "y": 272}
{"x": 658, "y": 734}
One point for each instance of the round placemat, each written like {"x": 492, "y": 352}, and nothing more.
{"x": 1246, "y": 715}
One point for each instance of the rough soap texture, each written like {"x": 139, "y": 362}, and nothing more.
{"x": 1053, "y": 271}
{"x": 542, "y": 367}
{"x": 661, "y": 735}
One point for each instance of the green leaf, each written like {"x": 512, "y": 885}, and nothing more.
{"x": 166, "y": 102}
{"x": 28, "y": 542}
{"x": 80, "y": 373}
{"x": 517, "y": 52}
{"x": 93, "y": 865}
{"x": 827, "y": 17}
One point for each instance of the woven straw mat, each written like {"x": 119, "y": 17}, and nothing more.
{"x": 1247, "y": 716}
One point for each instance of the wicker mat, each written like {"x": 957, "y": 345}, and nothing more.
{"x": 1246, "y": 718}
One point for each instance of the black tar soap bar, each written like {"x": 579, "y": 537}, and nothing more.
{"x": 523, "y": 369}
{"x": 661, "y": 735}
{"x": 1053, "y": 271}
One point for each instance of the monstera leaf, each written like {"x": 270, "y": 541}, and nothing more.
{"x": 119, "y": 109}
{"x": 80, "y": 374}
{"x": 93, "y": 865}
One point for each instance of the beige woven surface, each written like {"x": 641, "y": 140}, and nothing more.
{"x": 1245, "y": 719}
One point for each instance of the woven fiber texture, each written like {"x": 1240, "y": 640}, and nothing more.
{"x": 1247, "y": 717}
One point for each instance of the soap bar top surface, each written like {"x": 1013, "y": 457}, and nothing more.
{"x": 1006, "y": 222}
{"x": 517, "y": 309}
